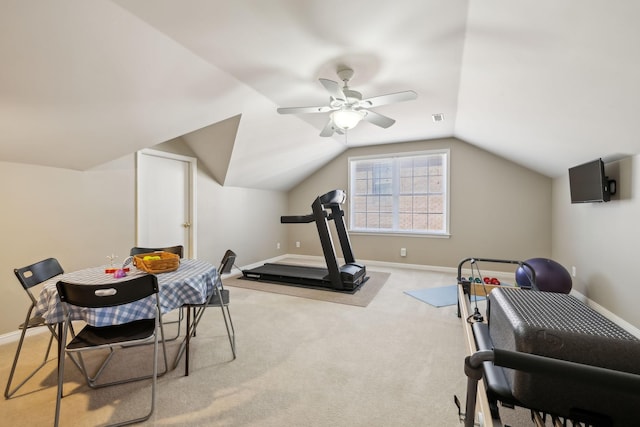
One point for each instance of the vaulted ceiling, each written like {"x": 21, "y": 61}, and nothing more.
{"x": 548, "y": 84}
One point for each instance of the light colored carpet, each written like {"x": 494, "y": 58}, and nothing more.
{"x": 301, "y": 362}
{"x": 361, "y": 297}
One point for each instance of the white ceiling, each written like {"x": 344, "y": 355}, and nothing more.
{"x": 548, "y": 84}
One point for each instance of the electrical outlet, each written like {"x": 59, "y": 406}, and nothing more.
{"x": 278, "y": 245}
{"x": 297, "y": 244}
{"x": 573, "y": 271}
{"x": 403, "y": 251}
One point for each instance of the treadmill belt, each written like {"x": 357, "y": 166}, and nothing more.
{"x": 293, "y": 271}
{"x": 298, "y": 275}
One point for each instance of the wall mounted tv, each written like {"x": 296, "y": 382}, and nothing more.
{"x": 588, "y": 183}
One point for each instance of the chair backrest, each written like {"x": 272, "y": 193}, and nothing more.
{"x": 227, "y": 262}
{"x": 37, "y": 273}
{"x": 108, "y": 294}
{"x": 178, "y": 250}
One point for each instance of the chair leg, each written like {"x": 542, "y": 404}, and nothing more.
{"x": 191, "y": 332}
{"x": 232, "y": 337}
{"x": 192, "y": 326}
{"x": 187, "y": 339}
{"x": 164, "y": 346}
{"x": 153, "y": 377}
{"x": 8, "y": 392}
{"x": 93, "y": 381}
{"x": 195, "y": 323}
{"x": 154, "y": 382}
{"x": 228, "y": 323}
{"x": 62, "y": 338}
{"x": 182, "y": 350}
{"x": 179, "y": 322}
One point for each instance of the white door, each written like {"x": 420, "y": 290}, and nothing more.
{"x": 166, "y": 201}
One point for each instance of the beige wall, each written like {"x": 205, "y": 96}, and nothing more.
{"x": 601, "y": 241}
{"x": 498, "y": 210}
{"x": 81, "y": 217}
{"x": 77, "y": 217}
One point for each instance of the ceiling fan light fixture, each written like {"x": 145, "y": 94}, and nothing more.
{"x": 346, "y": 119}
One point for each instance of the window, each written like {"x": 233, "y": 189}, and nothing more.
{"x": 399, "y": 193}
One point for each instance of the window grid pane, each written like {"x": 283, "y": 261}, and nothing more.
{"x": 400, "y": 193}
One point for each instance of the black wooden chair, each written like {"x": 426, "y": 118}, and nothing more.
{"x": 30, "y": 276}
{"x": 126, "y": 335}
{"x": 219, "y": 297}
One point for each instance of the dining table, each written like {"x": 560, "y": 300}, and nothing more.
{"x": 191, "y": 283}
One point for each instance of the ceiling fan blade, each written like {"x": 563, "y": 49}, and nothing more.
{"x": 328, "y": 129}
{"x": 378, "y": 119}
{"x": 334, "y": 89}
{"x": 299, "y": 110}
{"x": 390, "y": 98}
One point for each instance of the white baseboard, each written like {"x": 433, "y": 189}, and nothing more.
{"x": 278, "y": 258}
{"x": 9, "y": 338}
{"x": 15, "y": 335}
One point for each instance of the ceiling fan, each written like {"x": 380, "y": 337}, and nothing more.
{"x": 347, "y": 108}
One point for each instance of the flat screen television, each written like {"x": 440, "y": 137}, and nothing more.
{"x": 588, "y": 183}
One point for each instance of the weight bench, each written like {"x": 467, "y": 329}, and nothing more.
{"x": 554, "y": 355}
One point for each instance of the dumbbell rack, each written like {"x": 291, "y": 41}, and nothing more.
{"x": 482, "y": 289}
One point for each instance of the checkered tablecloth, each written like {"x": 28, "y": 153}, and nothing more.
{"x": 189, "y": 284}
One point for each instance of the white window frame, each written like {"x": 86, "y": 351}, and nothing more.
{"x": 397, "y": 231}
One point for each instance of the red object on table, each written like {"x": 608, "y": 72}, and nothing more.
{"x": 113, "y": 270}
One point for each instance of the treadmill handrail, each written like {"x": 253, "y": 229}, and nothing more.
{"x": 297, "y": 219}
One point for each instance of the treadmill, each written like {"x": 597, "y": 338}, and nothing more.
{"x": 347, "y": 277}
